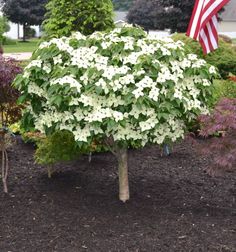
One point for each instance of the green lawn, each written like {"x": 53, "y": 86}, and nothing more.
{"x": 20, "y": 46}
{"x": 234, "y": 41}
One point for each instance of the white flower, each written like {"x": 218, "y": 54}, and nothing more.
{"x": 86, "y": 100}
{"x": 78, "y": 36}
{"x": 34, "y": 63}
{"x": 34, "y": 89}
{"x": 178, "y": 94}
{"x": 129, "y": 45}
{"x": 145, "y": 82}
{"x": 138, "y": 93}
{"x": 47, "y": 68}
{"x": 26, "y": 74}
{"x": 68, "y": 80}
{"x": 199, "y": 63}
{"x": 57, "y": 59}
{"x": 127, "y": 79}
{"x": 154, "y": 94}
{"x": 81, "y": 135}
{"x": 118, "y": 116}
{"x": 149, "y": 124}
{"x": 44, "y": 45}
{"x": 192, "y": 57}
{"x": 206, "y": 82}
{"x": 105, "y": 45}
{"x": 185, "y": 63}
{"x": 165, "y": 51}
{"x": 212, "y": 70}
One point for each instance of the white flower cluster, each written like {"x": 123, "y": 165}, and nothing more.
{"x": 70, "y": 80}
{"x": 133, "y": 87}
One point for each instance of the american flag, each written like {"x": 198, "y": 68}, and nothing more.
{"x": 203, "y": 25}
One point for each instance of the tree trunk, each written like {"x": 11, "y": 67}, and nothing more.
{"x": 50, "y": 171}
{"x": 122, "y": 158}
{"x": 18, "y": 31}
{"x": 5, "y": 168}
{"x": 24, "y": 28}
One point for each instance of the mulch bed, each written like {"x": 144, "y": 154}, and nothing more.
{"x": 174, "y": 206}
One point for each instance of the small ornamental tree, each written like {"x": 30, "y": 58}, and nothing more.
{"x": 66, "y": 16}
{"x": 124, "y": 88}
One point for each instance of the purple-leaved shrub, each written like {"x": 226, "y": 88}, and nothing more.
{"x": 9, "y": 111}
{"x": 220, "y": 126}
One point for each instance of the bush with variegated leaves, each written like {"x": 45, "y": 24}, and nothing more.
{"x": 124, "y": 87}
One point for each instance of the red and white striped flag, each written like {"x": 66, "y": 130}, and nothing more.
{"x": 203, "y": 25}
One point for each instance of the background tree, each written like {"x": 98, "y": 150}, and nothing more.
{"x": 4, "y": 27}
{"x": 122, "y": 5}
{"x": 162, "y": 14}
{"x": 24, "y": 12}
{"x": 65, "y": 16}
{"x": 141, "y": 13}
{"x": 168, "y": 14}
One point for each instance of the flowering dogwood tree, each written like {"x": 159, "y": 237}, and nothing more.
{"x": 123, "y": 87}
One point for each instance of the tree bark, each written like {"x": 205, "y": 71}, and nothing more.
{"x": 50, "y": 171}
{"x": 24, "y": 27}
{"x": 18, "y": 31}
{"x": 122, "y": 157}
{"x": 5, "y": 168}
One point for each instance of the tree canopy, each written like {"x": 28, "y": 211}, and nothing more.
{"x": 159, "y": 14}
{"x": 64, "y": 17}
{"x": 24, "y": 12}
{"x": 30, "y": 12}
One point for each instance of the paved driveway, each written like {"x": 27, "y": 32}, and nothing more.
{"x": 19, "y": 56}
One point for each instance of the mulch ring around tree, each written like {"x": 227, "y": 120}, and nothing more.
{"x": 174, "y": 206}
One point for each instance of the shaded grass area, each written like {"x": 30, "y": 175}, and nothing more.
{"x": 20, "y": 46}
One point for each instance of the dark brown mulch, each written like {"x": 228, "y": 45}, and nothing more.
{"x": 175, "y": 206}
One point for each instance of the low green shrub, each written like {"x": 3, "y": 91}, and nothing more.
{"x": 224, "y": 89}
{"x": 9, "y": 41}
{"x": 30, "y": 32}
{"x": 224, "y": 58}
{"x": 60, "y": 146}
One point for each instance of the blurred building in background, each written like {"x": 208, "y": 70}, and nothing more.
{"x": 228, "y": 24}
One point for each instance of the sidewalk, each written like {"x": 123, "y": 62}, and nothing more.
{"x": 19, "y": 56}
